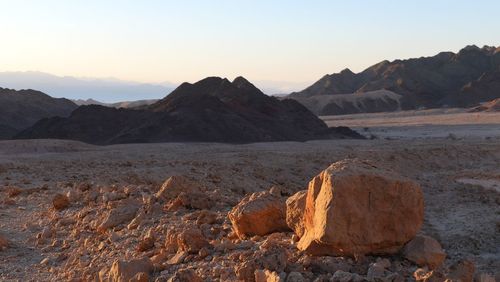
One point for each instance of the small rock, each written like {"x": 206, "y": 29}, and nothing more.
{"x": 260, "y": 213}
{"x": 267, "y": 276}
{"x": 124, "y": 271}
{"x": 343, "y": 276}
{"x": 185, "y": 275}
{"x": 462, "y": 271}
{"x": 60, "y": 202}
{"x": 4, "y": 243}
{"x": 124, "y": 211}
{"x": 424, "y": 251}
{"x": 295, "y": 277}
{"x": 177, "y": 258}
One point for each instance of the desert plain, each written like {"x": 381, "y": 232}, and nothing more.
{"x": 453, "y": 155}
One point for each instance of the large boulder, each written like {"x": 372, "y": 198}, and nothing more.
{"x": 260, "y": 213}
{"x": 295, "y": 212}
{"x": 354, "y": 208}
{"x": 424, "y": 251}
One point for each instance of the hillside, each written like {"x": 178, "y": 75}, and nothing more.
{"x": 211, "y": 110}
{"x": 21, "y": 109}
{"x": 447, "y": 79}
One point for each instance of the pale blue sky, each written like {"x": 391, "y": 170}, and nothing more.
{"x": 293, "y": 41}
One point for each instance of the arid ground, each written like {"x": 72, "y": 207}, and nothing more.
{"x": 460, "y": 178}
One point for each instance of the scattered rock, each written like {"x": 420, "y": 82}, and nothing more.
{"x": 462, "y": 271}
{"x": 191, "y": 240}
{"x": 60, "y": 202}
{"x": 4, "y": 243}
{"x": 176, "y": 185}
{"x": 124, "y": 271}
{"x": 185, "y": 275}
{"x": 424, "y": 251}
{"x": 267, "y": 276}
{"x": 354, "y": 207}
{"x": 295, "y": 277}
{"x": 260, "y": 213}
{"x": 295, "y": 212}
{"x": 124, "y": 211}
{"x": 343, "y": 276}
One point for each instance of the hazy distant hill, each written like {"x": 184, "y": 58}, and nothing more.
{"x": 463, "y": 79}
{"x": 211, "y": 110}
{"x": 20, "y": 109}
{"x": 77, "y": 88}
{"x": 124, "y": 104}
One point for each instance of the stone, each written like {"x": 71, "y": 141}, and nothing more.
{"x": 462, "y": 271}
{"x": 147, "y": 243}
{"x": 124, "y": 271}
{"x": 60, "y": 202}
{"x": 355, "y": 208}
{"x": 4, "y": 243}
{"x": 295, "y": 277}
{"x": 295, "y": 212}
{"x": 271, "y": 259}
{"x": 191, "y": 240}
{"x": 267, "y": 276}
{"x": 123, "y": 212}
{"x": 426, "y": 275}
{"x": 424, "y": 251}
{"x": 177, "y": 258}
{"x": 260, "y": 213}
{"x": 185, "y": 275}
{"x": 176, "y": 185}
{"x": 344, "y": 276}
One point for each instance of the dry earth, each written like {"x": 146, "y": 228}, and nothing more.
{"x": 422, "y": 124}
{"x": 459, "y": 179}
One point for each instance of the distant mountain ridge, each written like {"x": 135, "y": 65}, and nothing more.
{"x": 463, "y": 79}
{"x": 21, "y": 109}
{"x": 123, "y": 104}
{"x": 106, "y": 89}
{"x": 211, "y": 110}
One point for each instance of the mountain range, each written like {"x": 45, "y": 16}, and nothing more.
{"x": 211, "y": 110}
{"x": 107, "y": 90}
{"x": 447, "y": 79}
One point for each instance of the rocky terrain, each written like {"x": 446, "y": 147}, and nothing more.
{"x": 464, "y": 79}
{"x": 210, "y": 110}
{"x": 21, "y": 109}
{"x": 333, "y": 210}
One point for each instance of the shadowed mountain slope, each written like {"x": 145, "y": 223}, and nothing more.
{"x": 21, "y": 109}
{"x": 211, "y": 110}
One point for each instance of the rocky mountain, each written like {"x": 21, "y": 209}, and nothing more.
{"x": 21, "y": 109}
{"x": 211, "y": 110}
{"x": 463, "y": 79}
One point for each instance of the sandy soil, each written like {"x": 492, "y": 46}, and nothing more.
{"x": 462, "y": 215}
{"x": 422, "y": 124}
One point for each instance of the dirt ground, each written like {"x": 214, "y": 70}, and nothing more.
{"x": 463, "y": 216}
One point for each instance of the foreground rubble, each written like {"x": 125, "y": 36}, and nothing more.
{"x": 358, "y": 221}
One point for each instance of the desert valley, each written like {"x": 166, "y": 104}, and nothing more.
{"x": 388, "y": 173}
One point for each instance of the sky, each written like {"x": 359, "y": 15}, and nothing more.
{"x": 294, "y": 42}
